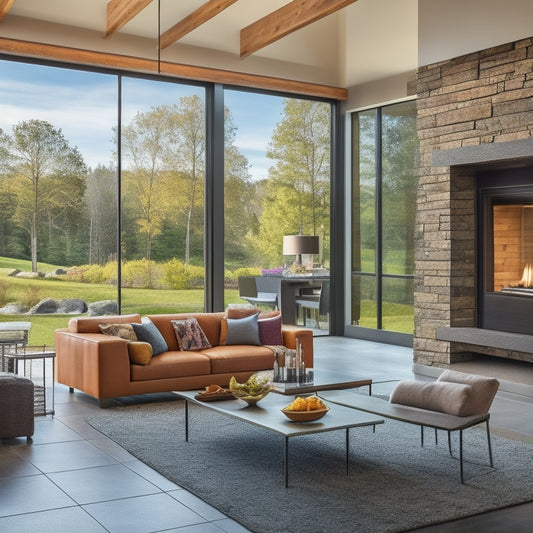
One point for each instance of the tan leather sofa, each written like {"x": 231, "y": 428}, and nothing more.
{"x": 99, "y": 365}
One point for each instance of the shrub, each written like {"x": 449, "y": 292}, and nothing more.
{"x": 179, "y": 275}
{"x": 140, "y": 274}
{"x": 243, "y": 271}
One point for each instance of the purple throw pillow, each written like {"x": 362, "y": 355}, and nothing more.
{"x": 270, "y": 331}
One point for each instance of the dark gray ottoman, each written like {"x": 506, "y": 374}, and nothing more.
{"x": 16, "y": 406}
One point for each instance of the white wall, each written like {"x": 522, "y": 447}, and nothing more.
{"x": 452, "y": 28}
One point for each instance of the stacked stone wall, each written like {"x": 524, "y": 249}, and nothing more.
{"x": 480, "y": 98}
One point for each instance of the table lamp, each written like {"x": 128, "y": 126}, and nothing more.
{"x": 300, "y": 244}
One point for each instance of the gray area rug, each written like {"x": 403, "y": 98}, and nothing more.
{"x": 393, "y": 484}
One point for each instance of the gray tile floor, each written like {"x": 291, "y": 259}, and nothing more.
{"x": 72, "y": 478}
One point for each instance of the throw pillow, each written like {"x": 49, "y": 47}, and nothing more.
{"x": 140, "y": 352}
{"x": 243, "y": 331}
{"x": 148, "y": 332}
{"x": 190, "y": 335}
{"x": 270, "y": 331}
{"x": 124, "y": 331}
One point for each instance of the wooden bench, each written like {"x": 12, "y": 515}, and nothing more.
{"x": 414, "y": 415}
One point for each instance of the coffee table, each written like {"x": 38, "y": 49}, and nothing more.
{"x": 267, "y": 415}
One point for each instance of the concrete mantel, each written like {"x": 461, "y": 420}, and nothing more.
{"x": 519, "y": 151}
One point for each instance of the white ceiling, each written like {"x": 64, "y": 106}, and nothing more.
{"x": 368, "y": 40}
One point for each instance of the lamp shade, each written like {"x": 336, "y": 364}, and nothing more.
{"x": 300, "y": 244}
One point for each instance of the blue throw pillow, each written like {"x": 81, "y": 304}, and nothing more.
{"x": 148, "y": 332}
{"x": 243, "y": 331}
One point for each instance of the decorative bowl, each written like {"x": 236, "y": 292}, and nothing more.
{"x": 248, "y": 398}
{"x": 304, "y": 416}
{"x": 254, "y": 390}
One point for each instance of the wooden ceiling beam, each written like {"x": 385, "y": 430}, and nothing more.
{"x": 190, "y": 72}
{"x": 5, "y": 6}
{"x": 285, "y": 20}
{"x": 119, "y": 12}
{"x": 205, "y": 12}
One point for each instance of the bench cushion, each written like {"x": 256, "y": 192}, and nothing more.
{"x": 484, "y": 389}
{"x": 451, "y": 398}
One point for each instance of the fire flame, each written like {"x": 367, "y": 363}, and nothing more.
{"x": 527, "y": 276}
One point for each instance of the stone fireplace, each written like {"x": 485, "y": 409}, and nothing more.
{"x": 473, "y": 236}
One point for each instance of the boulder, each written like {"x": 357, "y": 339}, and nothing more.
{"x": 44, "y": 307}
{"x": 71, "y": 306}
{"x": 105, "y": 307}
{"x": 30, "y": 275}
{"x": 14, "y": 272}
{"x": 14, "y": 308}
{"x": 56, "y": 272}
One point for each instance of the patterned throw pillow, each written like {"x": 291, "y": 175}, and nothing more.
{"x": 124, "y": 331}
{"x": 190, "y": 335}
{"x": 148, "y": 332}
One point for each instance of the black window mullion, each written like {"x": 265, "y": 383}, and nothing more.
{"x": 379, "y": 221}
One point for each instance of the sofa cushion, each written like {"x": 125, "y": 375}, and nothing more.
{"x": 190, "y": 335}
{"x": 171, "y": 365}
{"x": 244, "y": 312}
{"x": 124, "y": 331}
{"x": 148, "y": 332}
{"x": 209, "y": 322}
{"x": 243, "y": 331}
{"x": 450, "y": 398}
{"x": 239, "y": 358}
{"x": 484, "y": 388}
{"x": 270, "y": 331}
{"x": 140, "y": 352}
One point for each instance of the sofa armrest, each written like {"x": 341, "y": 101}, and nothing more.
{"x": 305, "y": 336}
{"x": 94, "y": 363}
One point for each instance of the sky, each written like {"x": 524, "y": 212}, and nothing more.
{"x": 84, "y": 106}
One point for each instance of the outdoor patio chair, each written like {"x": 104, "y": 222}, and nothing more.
{"x": 250, "y": 290}
{"x": 318, "y": 303}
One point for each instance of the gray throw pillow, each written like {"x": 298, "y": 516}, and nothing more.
{"x": 243, "y": 331}
{"x": 148, "y": 332}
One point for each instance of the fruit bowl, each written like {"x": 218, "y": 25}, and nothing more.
{"x": 304, "y": 416}
{"x": 305, "y": 409}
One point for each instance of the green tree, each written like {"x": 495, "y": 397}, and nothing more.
{"x": 55, "y": 172}
{"x": 186, "y": 154}
{"x": 144, "y": 142}
{"x": 101, "y": 201}
{"x": 300, "y": 148}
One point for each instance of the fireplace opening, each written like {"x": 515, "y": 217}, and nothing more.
{"x": 505, "y": 236}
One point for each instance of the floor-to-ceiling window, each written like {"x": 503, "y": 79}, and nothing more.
{"x": 58, "y": 194}
{"x": 277, "y": 181}
{"x": 383, "y": 218}
{"x": 162, "y": 149}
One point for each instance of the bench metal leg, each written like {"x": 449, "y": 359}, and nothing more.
{"x": 489, "y": 444}
{"x": 422, "y": 436}
{"x": 461, "y": 453}
{"x": 450, "y": 442}
{"x": 436, "y": 437}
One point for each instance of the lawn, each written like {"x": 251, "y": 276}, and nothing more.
{"x": 143, "y": 301}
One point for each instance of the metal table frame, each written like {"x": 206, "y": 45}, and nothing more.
{"x": 267, "y": 415}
